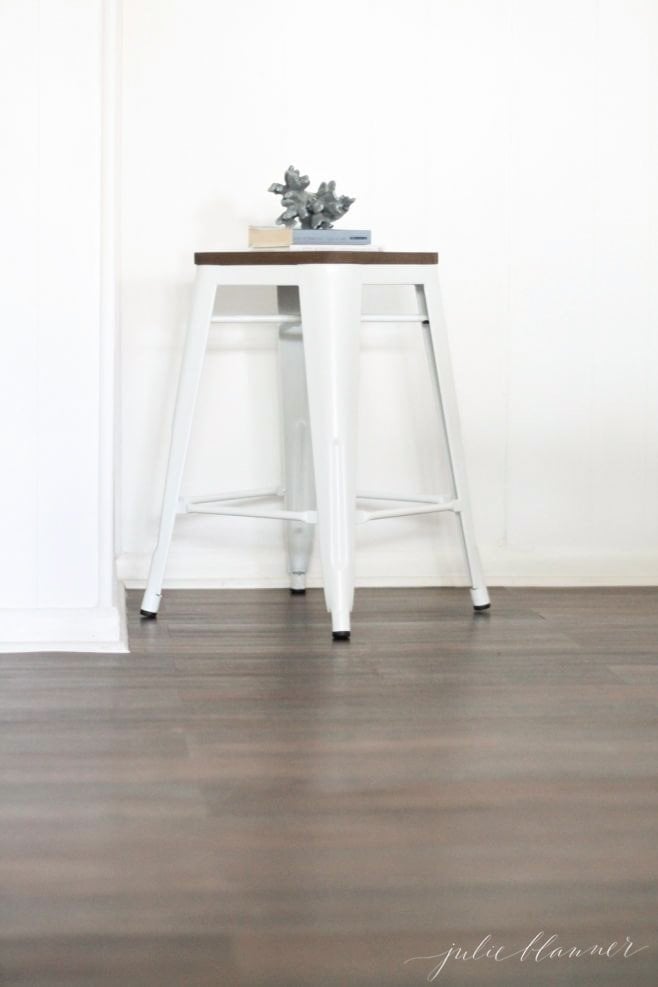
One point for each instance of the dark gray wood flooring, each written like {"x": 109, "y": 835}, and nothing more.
{"x": 241, "y": 802}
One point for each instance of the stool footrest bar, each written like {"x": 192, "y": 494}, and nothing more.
{"x": 405, "y": 498}
{"x": 410, "y": 505}
{"x": 259, "y": 494}
{"x": 308, "y": 517}
{"x": 280, "y": 320}
{"x": 363, "y": 516}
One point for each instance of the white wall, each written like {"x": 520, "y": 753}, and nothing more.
{"x": 517, "y": 137}
{"x": 57, "y": 585}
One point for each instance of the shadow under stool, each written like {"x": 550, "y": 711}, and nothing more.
{"x": 319, "y": 302}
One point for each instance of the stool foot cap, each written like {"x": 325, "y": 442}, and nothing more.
{"x": 485, "y": 606}
{"x": 297, "y": 592}
{"x": 340, "y": 635}
{"x": 149, "y": 614}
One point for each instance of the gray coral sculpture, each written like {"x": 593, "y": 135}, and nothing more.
{"x": 314, "y": 210}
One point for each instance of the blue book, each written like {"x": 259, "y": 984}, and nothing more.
{"x": 351, "y": 238}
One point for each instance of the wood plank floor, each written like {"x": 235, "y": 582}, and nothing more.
{"x": 241, "y": 802}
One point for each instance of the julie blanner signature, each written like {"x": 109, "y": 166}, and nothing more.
{"x": 541, "y": 947}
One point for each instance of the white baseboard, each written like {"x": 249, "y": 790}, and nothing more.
{"x": 552, "y": 568}
{"x": 101, "y": 629}
{"x": 502, "y": 566}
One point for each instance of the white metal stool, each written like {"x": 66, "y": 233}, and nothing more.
{"x": 319, "y": 294}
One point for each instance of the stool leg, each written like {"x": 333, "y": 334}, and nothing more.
{"x": 188, "y": 386}
{"x": 438, "y": 353}
{"x": 298, "y": 455}
{"x": 330, "y": 297}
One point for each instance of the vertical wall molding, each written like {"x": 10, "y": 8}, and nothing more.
{"x": 62, "y": 138}
{"x": 110, "y": 42}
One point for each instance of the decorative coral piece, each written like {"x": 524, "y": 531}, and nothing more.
{"x": 314, "y": 210}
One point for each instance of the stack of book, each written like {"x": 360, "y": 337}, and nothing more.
{"x": 277, "y": 237}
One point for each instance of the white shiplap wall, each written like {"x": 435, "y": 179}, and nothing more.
{"x": 519, "y": 137}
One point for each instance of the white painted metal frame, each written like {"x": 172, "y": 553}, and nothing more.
{"x": 319, "y": 376}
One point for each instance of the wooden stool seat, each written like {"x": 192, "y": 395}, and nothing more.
{"x": 288, "y": 256}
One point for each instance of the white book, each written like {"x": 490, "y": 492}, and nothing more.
{"x": 322, "y": 246}
{"x": 281, "y": 238}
